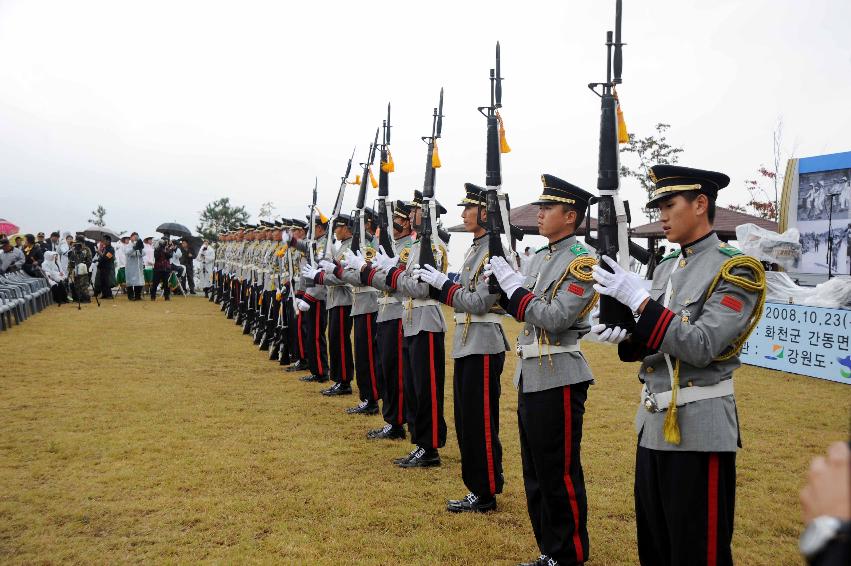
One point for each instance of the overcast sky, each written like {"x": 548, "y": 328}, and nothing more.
{"x": 154, "y": 109}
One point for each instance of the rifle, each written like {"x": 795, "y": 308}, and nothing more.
{"x": 429, "y": 212}
{"x": 612, "y": 212}
{"x": 498, "y": 207}
{"x": 384, "y": 206}
{"x": 338, "y": 205}
{"x": 311, "y": 245}
{"x": 359, "y": 233}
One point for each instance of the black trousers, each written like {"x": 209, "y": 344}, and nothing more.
{"x": 340, "y": 343}
{"x": 367, "y": 367}
{"x": 550, "y": 425}
{"x": 294, "y": 323}
{"x": 134, "y": 293}
{"x": 102, "y": 282}
{"x": 302, "y": 334}
{"x": 189, "y": 277}
{"x": 477, "y": 391}
{"x": 161, "y": 277}
{"x": 424, "y": 379}
{"x": 390, "y": 351}
{"x": 313, "y": 336}
{"x": 684, "y": 507}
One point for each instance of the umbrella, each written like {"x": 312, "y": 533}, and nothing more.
{"x": 8, "y": 228}
{"x": 174, "y": 229}
{"x": 98, "y": 232}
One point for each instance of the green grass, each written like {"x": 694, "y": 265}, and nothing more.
{"x": 156, "y": 432}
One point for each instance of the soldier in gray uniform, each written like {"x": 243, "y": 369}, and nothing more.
{"x": 363, "y": 313}
{"x": 423, "y": 350}
{"x": 339, "y": 306}
{"x": 479, "y": 352}
{"x": 311, "y": 304}
{"x": 552, "y": 376}
{"x": 390, "y": 335}
{"x": 703, "y": 303}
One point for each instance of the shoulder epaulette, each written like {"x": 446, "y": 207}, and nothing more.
{"x": 729, "y": 250}
{"x": 578, "y": 249}
{"x": 673, "y": 254}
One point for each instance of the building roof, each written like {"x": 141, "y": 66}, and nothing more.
{"x": 725, "y": 224}
{"x": 526, "y": 218}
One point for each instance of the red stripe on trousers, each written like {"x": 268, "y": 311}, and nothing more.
{"x": 712, "y": 512}
{"x": 433, "y": 391}
{"x": 300, "y": 341}
{"x": 488, "y": 434}
{"x": 342, "y": 347}
{"x": 371, "y": 356}
{"x": 571, "y": 493}
{"x": 400, "y": 376}
{"x": 316, "y": 332}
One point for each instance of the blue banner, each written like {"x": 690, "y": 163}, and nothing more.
{"x": 812, "y": 341}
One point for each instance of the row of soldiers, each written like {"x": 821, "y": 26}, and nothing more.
{"x": 377, "y": 319}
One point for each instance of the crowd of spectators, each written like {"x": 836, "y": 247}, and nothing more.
{"x": 76, "y": 268}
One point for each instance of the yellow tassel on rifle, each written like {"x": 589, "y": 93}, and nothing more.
{"x": 503, "y": 145}
{"x": 372, "y": 179}
{"x": 322, "y": 218}
{"x": 278, "y": 296}
{"x": 388, "y": 166}
{"x": 671, "y": 428}
{"x": 435, "y": 158}
{"x": 356, "y": 181}
{"x": 623, "y": 135}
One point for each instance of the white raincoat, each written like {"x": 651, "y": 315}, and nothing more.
{"x": 204, "y": 266}
{"x": 134, "y": 269}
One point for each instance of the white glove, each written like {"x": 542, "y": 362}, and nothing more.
{"x": 623, "y": 286}
{"x": 614, "y": 335}
{"x": 310, "y": 271}
{"x": 327, "y": 266}
{"x": 432, "y": 276}
{"x": 286, "y": 236}
{"x": 302, "y": 305}
{"x": 509, "y": 279}
{"x": 354, "y": 260}
{"x": 383, "y": 261}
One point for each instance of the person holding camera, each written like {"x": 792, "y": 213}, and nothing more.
{"x": 79, "y": 263}
{"x": 162, "y": 268}
{"x": 187, "y": 260}
{"x": 105, "y": 276}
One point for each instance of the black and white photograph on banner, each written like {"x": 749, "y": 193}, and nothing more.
{"x": 817, "y": 190}
{"x": 607, "y": 324}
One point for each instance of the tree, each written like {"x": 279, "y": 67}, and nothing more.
{"x": 220, "y": 216}
{"x": 760, "y": 204}
{"x": 266, "y": 210}
{"x": 651, "y": 150}
{"x": 98, "y": 214}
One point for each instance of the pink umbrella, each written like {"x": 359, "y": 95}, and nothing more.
{"x": 8, "y": 228}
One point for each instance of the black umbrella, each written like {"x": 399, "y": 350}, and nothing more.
{"x": 174, "y": 229}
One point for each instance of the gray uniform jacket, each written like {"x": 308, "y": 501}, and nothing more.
{"x": 315, "y": 291}
{"x": 695, "y": 330}
{"x": 470, "y": 299}
{"x": 339, "y": 292}
{"x": 554, "y": 303}
{"x": 421, "y": 310}
{"x": 389, "y": 301}
{"x": 364, "y": 297}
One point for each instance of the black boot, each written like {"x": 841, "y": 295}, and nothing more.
{"x": 472, "y": 503}
{"x": 424, "y": 458}
{"x": 364, "y": 408}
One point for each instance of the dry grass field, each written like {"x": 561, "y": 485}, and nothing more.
{"x": 156, "y": 432}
